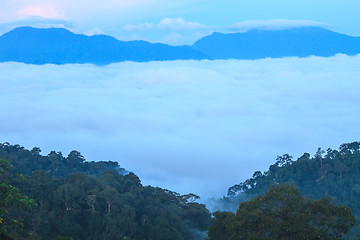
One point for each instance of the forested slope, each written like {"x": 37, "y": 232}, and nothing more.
{"x": 332, "y": 173}
{"x": 80, "y": 200}
{"x": 76, "y": 199}
{"x": 27, "y": 161}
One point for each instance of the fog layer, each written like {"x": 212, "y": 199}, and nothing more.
{"x": 189, "y": 126}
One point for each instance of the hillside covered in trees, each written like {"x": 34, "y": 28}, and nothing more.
{"x": 331, "y": 173}
{"x": 283, "y": 213}
{"x": 27, "y": 161}
{"x": 76, "y": 199}
{"x": 57, "y": 197}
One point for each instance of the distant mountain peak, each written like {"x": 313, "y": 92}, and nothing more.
{"x": 60, "y": 46}
{"x": 261, "y": 43}
{"x": 32, "y": 30}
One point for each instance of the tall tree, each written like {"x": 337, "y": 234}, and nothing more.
{"x": 283, "y": 214}
{"x": 10, "y": 199}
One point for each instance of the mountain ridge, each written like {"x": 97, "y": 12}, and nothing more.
{"x": 298, "y": 42}
{"x": 61, "y": 46}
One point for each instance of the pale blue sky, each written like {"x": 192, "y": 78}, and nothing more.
{"x": 176, "y": 22}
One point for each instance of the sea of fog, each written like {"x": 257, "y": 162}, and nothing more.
{"x": 189, "y": 126}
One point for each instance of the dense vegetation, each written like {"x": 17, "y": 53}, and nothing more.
{"x": 332, "y": 173}
{"x": 10, "y": 199}
{"x": 283, "y": 214}
{"x": 26, "y": 162}
{"x": 76, "y": 199}
{"x": 71, "y": 204}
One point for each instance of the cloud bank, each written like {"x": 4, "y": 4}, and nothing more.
{"x": 177, "y": 31}
{"x": 83, "y": 15}
{"x": 173, "y": 31}
{"x": 166, "y": 24}
{"x": 64, "y": 8}
{"x": 190, "y": 126}
{"x": 274, "y": 24}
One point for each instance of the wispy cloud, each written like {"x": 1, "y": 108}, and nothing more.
{"x": 166, "y": 24}
{"x": 182, "y": 21}
{"x": 44, "y": 11}
{"x": 38, "y": 22}
{"x": 181, "y": 24}
{"x": 190, "y": 126}
{"x": 274, "y": 24}
{"x": 174, "y": 31}
{"x": 179, "y": 30}
{"x": 82, "y": 13}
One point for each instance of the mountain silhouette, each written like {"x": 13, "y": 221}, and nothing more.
{"x": 60, "y": 46}
{"x": 299, "y": 42}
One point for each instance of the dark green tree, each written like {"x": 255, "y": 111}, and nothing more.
{"x": 77, "y": 199}
{"x": 75, "y": 160}
{"x": 10, "y": 200}
{"x": 222, "y": 226}
{"x": 283, "y": 214}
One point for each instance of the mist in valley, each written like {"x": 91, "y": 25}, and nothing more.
{"x": 188, "y": 126}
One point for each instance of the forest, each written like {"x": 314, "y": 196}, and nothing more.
{"x": 75, "y": 199}
{"x": 334, "y": 174}
{"x": 63, "y": 198}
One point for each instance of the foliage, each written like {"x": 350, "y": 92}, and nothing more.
{"x": 111, "y": 206}
{"x": 10, "y": 200}
{"x": 27, "y": 161}
{"x": 333, "y": 173}
{"x": 283, "y": 214}
{"x": 77, "y": 199}
{"x": 107, "y": 205}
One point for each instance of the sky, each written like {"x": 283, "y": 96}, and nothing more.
{"x": 188, "y": 126}
{"x": 178, "y": 22}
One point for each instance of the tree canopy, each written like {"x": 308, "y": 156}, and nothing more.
{"x": 76, "y": 200}
{"x": 27, "y": 161}
{"x": 11, "y": 200}
{"x": 333, "y": 173}
{"x": 283, "y": 214}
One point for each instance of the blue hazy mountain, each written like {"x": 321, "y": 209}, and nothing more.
{"x": 60, "y": 46}
{"x": 300, "y": 42}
